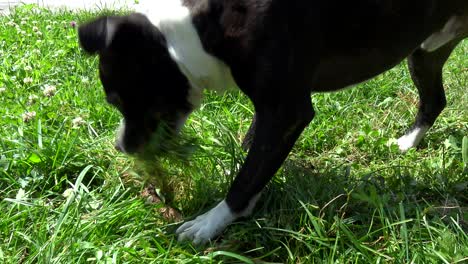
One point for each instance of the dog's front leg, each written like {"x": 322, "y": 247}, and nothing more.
{"x": 249, "y": 136}
{"x": 277, "y": 129}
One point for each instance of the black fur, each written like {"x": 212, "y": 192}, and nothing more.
{"x": 279, "y": 51}
{"x": 138, "y": 75}
{"x": 93, "y": 35}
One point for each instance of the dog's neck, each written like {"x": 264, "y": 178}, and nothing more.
{"x": 174, "y": 20}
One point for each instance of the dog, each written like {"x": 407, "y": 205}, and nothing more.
{"x": 156, "y": 62}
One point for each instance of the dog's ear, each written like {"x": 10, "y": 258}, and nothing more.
{"x": 97, "y": 35}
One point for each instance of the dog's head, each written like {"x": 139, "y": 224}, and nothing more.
{"x": 139, "y": 77}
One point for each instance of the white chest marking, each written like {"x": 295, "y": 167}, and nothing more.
{"x": 448, "y": 33}
{"x": 202, "y": 69}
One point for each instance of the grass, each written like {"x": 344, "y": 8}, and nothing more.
{"x": 343, "y": 195}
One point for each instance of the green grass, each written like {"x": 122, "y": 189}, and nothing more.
{"x": 343, "y": 195}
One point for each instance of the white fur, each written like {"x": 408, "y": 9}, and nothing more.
{"x": 203, "y": 70}
{"x": 110, "y": 31}
{"x": 250, "y": 207}
{"x": 412, "y": 138}
{"x": 439, "y": 39}
{"x": 210, "y": 224}
{"x": 120, "y": 135}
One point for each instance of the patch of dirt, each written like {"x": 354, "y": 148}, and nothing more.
{"x": 167, "y": 212}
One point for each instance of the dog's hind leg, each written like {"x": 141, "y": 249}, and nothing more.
{"x": 426, "y": 71}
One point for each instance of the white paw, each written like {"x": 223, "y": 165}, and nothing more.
{"x": 405, "y": 143}
{"x": 411, "y": 139}
{"x": 206, "y": 226}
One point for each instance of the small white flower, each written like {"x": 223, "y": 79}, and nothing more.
{"x": 28, "y": 68}
{"x": 58, "y": 53}
{"x": 39, "y": 41}
{"x": 36, "y": 11}
{"x": 28, "y": 116}
{"x": 2, "y": 89}
{"x": 32, "y": 99}
{"x": 68, "y": 192}
{"x": 21, "y": 195}
{"x": 77, "y": 122}
{"x": 11, "y": 23}
{"x": 38, "y": 33}
{"x": 35, "y": 29}
{"x": 34, "y": 22}
{"x": 28, "y": 80}
{"x": 49, "y": 27}
{"x": 49, "y": 90}
{"x": 84, "y": 79}
{"x": 24, "y": 22}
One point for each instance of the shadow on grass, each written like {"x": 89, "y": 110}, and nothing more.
{"x": 316, "y": 214}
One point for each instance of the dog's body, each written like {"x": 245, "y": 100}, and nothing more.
{"x": 154, "y": 66}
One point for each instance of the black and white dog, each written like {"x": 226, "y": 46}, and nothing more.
{"x": 155, "y": 63}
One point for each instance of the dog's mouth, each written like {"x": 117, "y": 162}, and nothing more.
{"x": 158, "y": 137}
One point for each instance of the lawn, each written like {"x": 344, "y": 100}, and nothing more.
{"x": 343, "y": 196}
